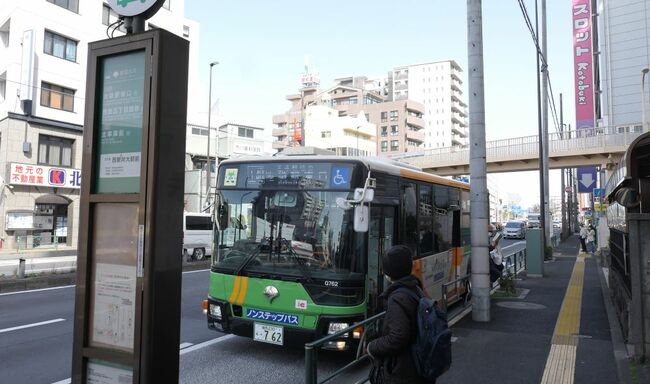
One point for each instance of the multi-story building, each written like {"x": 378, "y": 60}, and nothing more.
{"x": 438, "y": 86}
{"x": 43, "y": 54}
{"x": 227, "y": 141}
{"x": 399, "y": 124}
{"x": 343, "y": 135}
{"x": 623, "y": 32}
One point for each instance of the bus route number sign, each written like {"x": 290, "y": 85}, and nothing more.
{"x": 268, "y": 334}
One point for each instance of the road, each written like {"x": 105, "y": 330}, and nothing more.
{"x": 36, "y": 330}
{"x": 36, "y": 340}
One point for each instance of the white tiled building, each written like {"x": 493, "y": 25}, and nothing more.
{"x": 43, "y": 59}
{"x": 438, "y": 86}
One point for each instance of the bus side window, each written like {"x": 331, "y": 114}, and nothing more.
{"x": 409, "y": 223}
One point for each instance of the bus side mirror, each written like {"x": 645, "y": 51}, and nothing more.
{"x": 627, "y": 197}
{"x": 221, "y": 214}
{"x": 361, "y": 218}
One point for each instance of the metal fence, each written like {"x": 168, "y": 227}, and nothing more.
{"x": 620, "y": 256}
{"x": 29, "y": 242}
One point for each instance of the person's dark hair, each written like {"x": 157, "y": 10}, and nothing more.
{"x": 398, "y": 262}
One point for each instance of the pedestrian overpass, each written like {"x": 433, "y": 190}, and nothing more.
{"x": 569, "y": 149}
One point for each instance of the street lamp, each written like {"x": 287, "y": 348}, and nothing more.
{"x": 644, "y": 115}
{"x": 209, "y": 162}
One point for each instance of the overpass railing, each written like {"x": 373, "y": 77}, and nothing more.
{"x": 588, "y": 139}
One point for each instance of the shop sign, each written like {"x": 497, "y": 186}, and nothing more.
{"x": 44, "y": 176}
{"x": 19, "y": 220}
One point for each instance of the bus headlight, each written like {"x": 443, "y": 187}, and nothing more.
{"x": 335, "y": 327}
{"x": 215, "y": 311}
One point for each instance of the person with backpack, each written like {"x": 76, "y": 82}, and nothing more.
{"x": 393, "y": 352}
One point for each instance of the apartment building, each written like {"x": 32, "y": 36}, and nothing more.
{"x": 622, "y": 40}
{"x": 438, "y": 86}
{"x": 399, "y": 124}
{"x": 43, "y": 55}
{"x": 343, "y": 135}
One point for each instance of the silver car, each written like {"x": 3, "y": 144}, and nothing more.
{"x": 514, "y": 229}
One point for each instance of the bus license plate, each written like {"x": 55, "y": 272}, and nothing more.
{"x": 268, "y": 334}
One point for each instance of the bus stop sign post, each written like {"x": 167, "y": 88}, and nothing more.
{"x": 127, "y": 298}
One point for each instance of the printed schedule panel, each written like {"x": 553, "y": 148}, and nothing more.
{"x": 119, "y": 137}
{"x": 113, "y": 302}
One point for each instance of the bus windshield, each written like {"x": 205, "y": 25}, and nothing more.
{"x": 288, "y": 233}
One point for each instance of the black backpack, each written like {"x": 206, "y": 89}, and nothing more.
{"x": 431, "y": 351}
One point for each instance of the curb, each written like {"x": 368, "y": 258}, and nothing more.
{"x": 620, "y": 351}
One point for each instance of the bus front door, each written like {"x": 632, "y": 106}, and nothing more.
{"x": 381, "y": 235}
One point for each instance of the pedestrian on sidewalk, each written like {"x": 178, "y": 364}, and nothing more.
{"x": 591, "y": 240}
{"x": 583, "y": 236}
{"x": 391, "y": 351}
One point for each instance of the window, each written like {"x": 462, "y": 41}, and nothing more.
{"x": 409, "y": 216}
{"x": 245, "y": 132}
{"x": 3, "y": 86}
{"x": 71, "y": 5}
{"x": 326, "y": 134}
{"x": 384, "y": 132}
{"x": 186, "y": 31}
{"x": 60, "y": 46}
{"x": 425, "y": 221}
{"x": 384, "y": 146}
{"x": 55, "y": 151}
{"x": 57, "y": 97}
{"x": 393, "y": 115}
{"x": 198, "y": 223}
{"x": 394, "y": 130}
{"x": 394, "y": 145}
{"x": 353, "y": 100}
{"x": 199, "y": 131}
{"x": 109, "y": 17}
{"x": 384, "y": 117}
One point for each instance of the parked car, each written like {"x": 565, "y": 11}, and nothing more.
{"x": 514, "y": 229}
{"x": 197, "y": 235}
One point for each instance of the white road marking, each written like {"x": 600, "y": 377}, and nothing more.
{"x": 66, "y": 381}
{"x": 36, "y": 290}
{"x": 30, "y": 325}
{"x": 70, "y": 286}
{"x": 206, "y": 344}
{"x": 185, "y": 345}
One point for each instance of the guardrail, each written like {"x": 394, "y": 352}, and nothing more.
{"x": 28, "y": 242}
{"x": 599, "y": 138}
{"x": 514, "y": 262}
{"x": 455, "y": 282}
{"x": 311, "y": 350}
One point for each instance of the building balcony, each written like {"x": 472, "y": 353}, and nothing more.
{"x": 415, "y": 135}
{"x": 280, "y": 144}
{"x": 402, "y": 76}
{"x": 456, "y": 142}
{"x": 401, "y": 87}
{"x": 416, "y": 121}
{"x": 455, "y": 130}
{"x": 279, "y": 119}
{"x": 276, "y": 132}
{"x": 455, "y": 87}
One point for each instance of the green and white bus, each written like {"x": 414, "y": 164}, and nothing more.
{"x": 299, "y": 240}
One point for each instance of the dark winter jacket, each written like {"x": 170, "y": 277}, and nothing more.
{"x": 392, "y": 350}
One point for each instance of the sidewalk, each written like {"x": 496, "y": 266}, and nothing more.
{"x": 558, "y": 333}
{"x": 14, "y": 254}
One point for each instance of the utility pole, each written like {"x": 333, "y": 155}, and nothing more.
{"x": 477, "y": 168}
{"x": 547, "y": 222}
{"x": 208, "y": 183}
{"x": 564, "y": 232}
{"x": 540, "y": 134}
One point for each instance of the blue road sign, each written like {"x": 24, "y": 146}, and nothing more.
{"x": 586, "y": 179}
{"x": 599, "y": 192}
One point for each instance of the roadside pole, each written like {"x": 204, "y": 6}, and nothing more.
{"x": 479, "y": 215}
{"x": 547, "y": 220}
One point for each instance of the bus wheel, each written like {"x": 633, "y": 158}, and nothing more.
{"x": 199, "y": 254}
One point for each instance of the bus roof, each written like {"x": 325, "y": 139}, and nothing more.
{"x": 381, "y": 164}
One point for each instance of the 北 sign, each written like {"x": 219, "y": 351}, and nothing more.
{"x": 44, "y": 176}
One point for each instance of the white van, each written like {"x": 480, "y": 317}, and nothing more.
{"x": 197, "y": 235}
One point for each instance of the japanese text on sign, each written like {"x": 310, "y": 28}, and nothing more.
{"x": 44, "y": 176}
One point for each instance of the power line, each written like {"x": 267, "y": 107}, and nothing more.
{"x": 529, "y": 24}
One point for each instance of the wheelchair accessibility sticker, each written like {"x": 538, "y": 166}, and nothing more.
{"x": 340, "y": 177}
